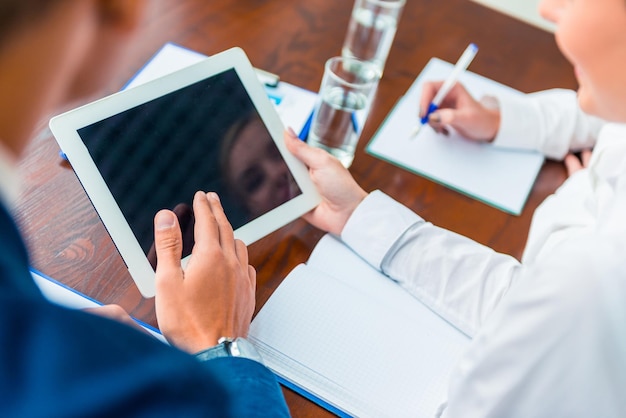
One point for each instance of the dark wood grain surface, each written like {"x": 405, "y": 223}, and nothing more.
{"x": 293, "y": 39}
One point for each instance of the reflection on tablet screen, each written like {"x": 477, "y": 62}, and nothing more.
{"x": 206, "y": 136}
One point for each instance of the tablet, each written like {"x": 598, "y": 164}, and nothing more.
{"x": 209, "y": 127}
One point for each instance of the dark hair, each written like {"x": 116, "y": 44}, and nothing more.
{"x": 16, "y": 13}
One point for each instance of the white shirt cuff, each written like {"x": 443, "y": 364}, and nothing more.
{"x": 517, "y": 123}
{"x": 375, "y": 225}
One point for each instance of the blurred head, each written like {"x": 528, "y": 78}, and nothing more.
{"x": 254, "y": 169}
{"x": 592, "y": 36}
{"x": 54, "y": 51}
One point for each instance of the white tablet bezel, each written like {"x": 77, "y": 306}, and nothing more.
{"x": 65, "y": 129}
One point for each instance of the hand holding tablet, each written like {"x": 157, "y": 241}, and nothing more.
{"x": 206, "y": 127}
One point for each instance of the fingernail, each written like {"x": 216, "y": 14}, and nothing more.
{"x": 213, "y": 195}
{"x": 165, "y": 220}
{"x": 292, "y": 132}
{"x": 435, "y": 117}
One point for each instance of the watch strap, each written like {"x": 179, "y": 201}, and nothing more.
{"x": 228, "y": 347}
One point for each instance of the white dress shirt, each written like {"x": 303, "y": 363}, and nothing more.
{"x": 548, "y": 334}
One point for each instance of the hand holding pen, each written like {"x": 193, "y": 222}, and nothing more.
{"x": 472, "y": 119}
{"x": 453, "y": 105}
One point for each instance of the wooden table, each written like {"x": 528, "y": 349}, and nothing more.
{"x": 293, "y": 39}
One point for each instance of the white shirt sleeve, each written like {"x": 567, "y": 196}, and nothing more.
{"x": 455, "y": 276}
{"x": 549, "y": 121}
{"x": 555, "y": 346}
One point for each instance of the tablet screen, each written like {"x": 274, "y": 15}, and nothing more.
{"x": 206, "y": 136}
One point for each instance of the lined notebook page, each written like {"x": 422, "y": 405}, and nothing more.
{"x": 358, "y": 342}
{"x": 499, "y": 177}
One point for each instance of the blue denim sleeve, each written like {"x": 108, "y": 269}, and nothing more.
{"x": 251, "y": 387}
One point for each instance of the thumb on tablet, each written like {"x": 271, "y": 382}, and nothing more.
{"x": 311, "y": 157}
{"x": 168, "y": 242}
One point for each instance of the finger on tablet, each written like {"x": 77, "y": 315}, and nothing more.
{"x": 184, "y": 213}
{"x": 311, "y": 157}
{"x": 206, "y": 230}
{"x": 226, "y": 234}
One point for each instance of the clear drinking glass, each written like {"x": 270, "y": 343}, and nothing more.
{"x": 344, "y": 100}
{"x": 371, "y": 30}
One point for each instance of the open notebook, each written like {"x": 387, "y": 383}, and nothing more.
{"x": 499, "y": 177}
{"x": 342, "y": 333}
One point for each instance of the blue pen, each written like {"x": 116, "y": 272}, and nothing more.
{"x": 461, "y": 65}
{"x": 304, "y": 133}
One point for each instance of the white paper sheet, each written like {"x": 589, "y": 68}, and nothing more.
{"x": 499, "y": 177}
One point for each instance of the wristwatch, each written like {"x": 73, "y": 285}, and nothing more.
{"x": 229, "y": 347}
